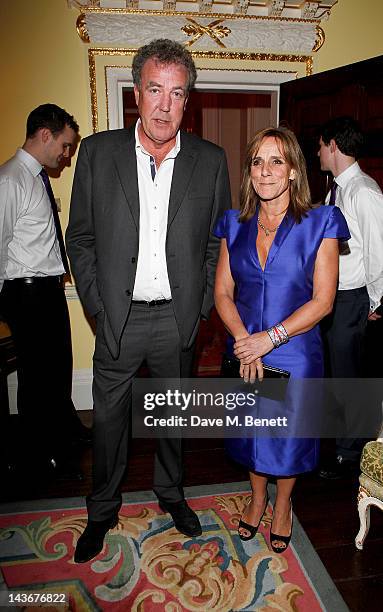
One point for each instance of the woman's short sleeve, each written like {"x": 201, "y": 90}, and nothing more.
{"x": 336, "y": 226}
{"x": 220, "y": 229}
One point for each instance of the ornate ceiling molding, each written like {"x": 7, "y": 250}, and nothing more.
{"x": 202, "y": 31}
{"x": 261, "y": 26}
{"x": 296, "y": 9}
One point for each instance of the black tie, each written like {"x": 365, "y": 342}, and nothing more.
{"x": 332, "y": 199}
{"x": 59, "y": 234}
{"x": 152, "y": 168}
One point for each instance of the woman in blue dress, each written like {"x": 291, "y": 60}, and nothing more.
{"x": 276, "y": 279}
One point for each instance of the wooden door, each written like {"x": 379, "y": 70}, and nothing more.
{"x": 355, "y": 90}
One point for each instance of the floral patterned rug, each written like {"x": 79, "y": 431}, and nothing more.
{"x": 146, "y": 565}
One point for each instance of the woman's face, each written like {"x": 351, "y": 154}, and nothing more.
{"x": 270, "y": 173}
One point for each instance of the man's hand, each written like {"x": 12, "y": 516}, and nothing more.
{"x": 374, "y": 316}
{"x": 377, "y": 313}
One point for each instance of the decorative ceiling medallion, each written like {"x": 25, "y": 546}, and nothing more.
{"x": 197, "y": 30}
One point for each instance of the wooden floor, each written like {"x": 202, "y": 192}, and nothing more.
{"x": 326, "y": 509}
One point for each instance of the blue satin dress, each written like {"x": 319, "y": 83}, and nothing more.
{"x": 267, "y": 297}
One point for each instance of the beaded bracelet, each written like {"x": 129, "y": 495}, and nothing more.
{"x": 278, "y": 335}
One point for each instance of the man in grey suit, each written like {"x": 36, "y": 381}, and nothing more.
{"x": 144, "y": 203}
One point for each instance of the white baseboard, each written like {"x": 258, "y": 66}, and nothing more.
{"x": 81, "y": 390}
{"x": 12, "y": 392}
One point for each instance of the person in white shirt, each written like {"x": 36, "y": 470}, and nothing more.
{"x": 32, "y": 299}
{"x": 360, "y": 270}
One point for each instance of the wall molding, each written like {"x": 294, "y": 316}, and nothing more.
{"x": 119, "y": 77}
{"x": 220, "y": 72}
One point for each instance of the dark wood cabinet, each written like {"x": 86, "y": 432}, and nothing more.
{"x": 355, "y": 90}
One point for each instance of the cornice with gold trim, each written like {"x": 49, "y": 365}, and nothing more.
{"x": 83, "y": 33}
{"x": 290, "y": 9}
{"x": 153, "y": 12}
{"x": 82, "y": 29}
{"x": 321, "y": 37}
{"x": 203, "y": 31}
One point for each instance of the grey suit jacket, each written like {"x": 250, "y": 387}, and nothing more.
{"x": 103, "y": 230}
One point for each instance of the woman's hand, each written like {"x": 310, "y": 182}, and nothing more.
{"x": 251, "y": 371}
{"x": 252, "y": 347}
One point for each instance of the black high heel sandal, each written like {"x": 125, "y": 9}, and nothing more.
{"x": 251, "y": 528}
{"x": 274, "y": 537}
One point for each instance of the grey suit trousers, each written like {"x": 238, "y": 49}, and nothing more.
{"x": 151, "y": 334}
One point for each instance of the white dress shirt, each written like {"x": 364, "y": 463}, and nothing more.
{"x": 361, "y": 201}
{"x": 152, "y": 280}
{"x": 28, "y": 241}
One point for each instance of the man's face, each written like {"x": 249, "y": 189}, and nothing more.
{"x": 57, "y": 146}
{"x": 325, "y": 156}
{"x": 161, "y": 100}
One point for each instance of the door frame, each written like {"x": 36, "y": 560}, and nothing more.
{"x": 119, "y": 78}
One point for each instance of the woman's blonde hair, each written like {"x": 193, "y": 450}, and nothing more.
{"x": 300, "y": 198}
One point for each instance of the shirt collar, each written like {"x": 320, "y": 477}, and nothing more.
{"x": 172, "y": 153}
{"x": 344, "y": 177}
{"x": 29, "y": 161}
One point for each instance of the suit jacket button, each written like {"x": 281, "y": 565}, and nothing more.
{"x": 128, "y": 292}
{"x": 133, "y": 260}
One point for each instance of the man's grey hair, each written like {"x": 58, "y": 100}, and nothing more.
{"x": 164, "y": 51}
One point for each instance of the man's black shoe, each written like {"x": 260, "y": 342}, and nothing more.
{"x": 49, "y": 468}
{"x": 7, "y": 470}
{"x": 82, "y": 435}
{"x": 339, "y": 468}
{"x": 185, "y": 519}
{"x": 64, "y": 469}
{"x": 91, "y": 541}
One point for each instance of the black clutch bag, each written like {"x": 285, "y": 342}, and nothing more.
{"x": 264, "y": 388}
{"x": 230, "y": 369}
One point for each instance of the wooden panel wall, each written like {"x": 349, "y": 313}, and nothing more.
{"x": 355, "y": 90}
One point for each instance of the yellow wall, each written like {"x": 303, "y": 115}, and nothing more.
{"x": 353, "y": 33}
{"x": 43, "y": 60}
